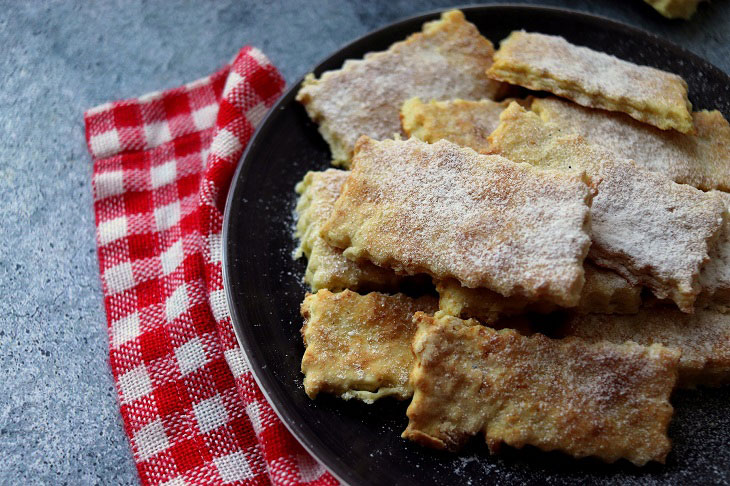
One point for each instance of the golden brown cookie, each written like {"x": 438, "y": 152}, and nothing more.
{"x": 448, "y": 59}
{"x": 702, "y": 337}
{"x": 591, "y": 78}
{"x": 675, "y": 9}
{"x": 603, "y": 399}
{"x": 700, "y": 160}
{"x": 327, "y": 268}
{"x": 650, "y": 230}
{"x": 466, "y": 123}
{"x": 449, "y": 212}
{"x": 359, "y": 346}
{"x": 604, "y": 292}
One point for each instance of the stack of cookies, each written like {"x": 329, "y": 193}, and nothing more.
{"x": 577, "y": 239}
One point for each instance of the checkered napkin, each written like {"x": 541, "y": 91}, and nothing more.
{"x": 163, "y": 164}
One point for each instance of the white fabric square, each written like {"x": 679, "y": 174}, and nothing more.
{"x": 178, "y": 481}
{"x": 256, "y": 114}
{"x": 172, "y": 257}
{"x": 233, "y": 467}
{"x": 135, "y": 384}
{"x": 119, "y": 278}
{"x": 210, "y": 413}
{"x": 157, "y": 133}
{"x": 125, "y": 329}
{"x": 259, "y": 56}
{"x": 177, "y": 303}
{"x": 109, "y": 183}
{"x": 236, "y": 361}
{"x": 205, "y": 116}
{"x": 105, "y": 143}
{"x": 190, "y": 356}
{"x": 167, "y": 216}
{"x": 151, "y": 96}
{"x": 309, "y": 468}
{"x": 253, "y": 410}
{"x": 112, "y": 230}
{"x": 234, "y": 79}
{"x": 225, "y": 143}
{"x": 151, "y": 439}
{"x": 163, "y": 174}
{"x": 100, "y": 108}
{"x": 215, "y": 244}
{"x": 219, "y": 304}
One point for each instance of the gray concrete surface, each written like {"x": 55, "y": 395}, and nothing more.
{"x": 59, "y": 422}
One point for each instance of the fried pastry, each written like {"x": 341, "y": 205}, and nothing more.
{"x": 675, "y": 9}
{"x": 449, "y": 212}
{"x": 648, "y": 229}
{"x": 702, "y": 337}
{"x": 359, "y": 346}
{"x": 327, "y": 268}
{"x": 715, "y": 276}
{"x": 466, "y": 123}
{"x": 595, "y": 79}
{"x": 448, "y": 59}
{"x": 603, "y": 399}
{"x": 701, "y": 160}
{"x": 604, "y": 292}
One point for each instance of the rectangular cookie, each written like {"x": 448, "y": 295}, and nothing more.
{"x": 604, "y": 292}
{"x": 675, "y": 9}
{"x": 327, "y": 268}
{"x": 605, "y": 400}
{"x": 359, "y": 346}
{"x": 448, "y": 59}
{"x": 591, "y": 78}
{"x": 702, "y": 337}
{"x": 466, "y": 123}
{"x": 449, "y": 212}
{"x": 700, "y": 160}
{"x": 648, "y": 229}
{"x": 715, "y": 276}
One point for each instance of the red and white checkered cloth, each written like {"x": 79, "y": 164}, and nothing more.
{"x": 163, "y": 164}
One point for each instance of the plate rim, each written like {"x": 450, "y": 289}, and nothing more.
{"x": 264, "y": 379}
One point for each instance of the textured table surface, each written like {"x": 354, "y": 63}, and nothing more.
{"x": 59, "y": 421}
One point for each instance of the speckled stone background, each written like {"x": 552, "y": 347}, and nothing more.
{"x": 59, "y": 422}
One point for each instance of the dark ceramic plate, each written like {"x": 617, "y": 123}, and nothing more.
{"x": 360, "y": 443}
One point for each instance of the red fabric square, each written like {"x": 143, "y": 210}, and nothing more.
{"x": 190, "y": 144}
{"x": 187, "y": 454}
{"x": 138, "y": 202}
{"x": 127, "y": 115}
{"x": 188, "y": 185}
{"x": 155, "y": 343}
{"x": 149, "y": 292}
{"x": 171, "y": 398}
{"x": 265, "y": 84}
{"x": 144, "y": 245}
{"x": 176, "y": 104}
{"x": 221, "y": 374}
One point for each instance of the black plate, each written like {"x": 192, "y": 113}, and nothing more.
{"x": 360, "y": 443}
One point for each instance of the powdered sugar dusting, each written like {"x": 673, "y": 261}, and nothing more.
{"x": 701, "y": 160}
{"x": 592, "y": 78}
{"x": 326, "y": 266}
{"x": 603, "y": 399}
{"x": 447, "y": 60}
{"x": 703, "y": 338}
{"x": 715, "y": 276}
{"x": 650, "y": 230}
{"x": 450, "y": 212}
